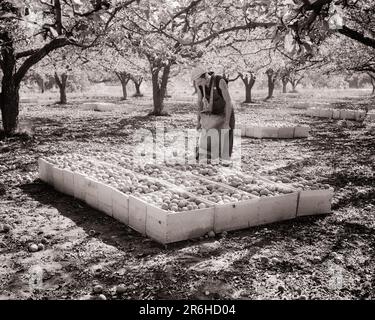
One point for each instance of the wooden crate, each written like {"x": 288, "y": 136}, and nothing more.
{"x": 58, "y": 179}
{"x": 312, "y": 202}
{"x": 68, "y": 182}
{"x": 336, "y": 114}
{"x": 105, "y": 193}
{"x": 91, "y": 196}
{"x": 250, "y": 132}
{"x": 310, "y": 112}
{"x": 241, "y": 130}
{"x": 137, "y": 214}
{"x": 325, "y": 113}
{"x": 278, "y": 208}
{"x": 120, "y": 206}
{"x": 314, "y": 112}
{"x": 45, "y": 170}
{"x": 257, "y": 132}
{"x": 360, "y": 115}
{"x": 49, "y": 169}
{"x": 348, "y": 115}
{"x": 270, "y": 132}
{"x": 234, "y": 216}
{"x": 80, "y": 186}
{"x": 286, "y": 132}
{"x": 167, "y": 227}
{"x": 301, "y": 131}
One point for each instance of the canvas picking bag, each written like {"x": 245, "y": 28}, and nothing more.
{"x": 209, "y": 119}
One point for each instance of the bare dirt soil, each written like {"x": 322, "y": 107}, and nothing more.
{"x": 326, "y": 257}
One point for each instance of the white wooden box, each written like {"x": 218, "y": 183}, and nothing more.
{"x": 348, "y": 115}
{"x": 249, "y": 132}
{"x": 167, "y": 227}
{"x": 301, "y": 131}
{"x": 315, "y": 112}
{"x": 58, "y": 179}
{"x": 68, "y": 182}
{"x": 80, "y": 186}
{"x": 120, "y": 206}
{"x": 105, "y": 198}
{"x": 313, "y": 202}
{"x": 258, "y": 132}
{"x": 91, "y": 197}
{"x": 351, "y": 115}
{"x": 45, "y": 171}
{"x": 325, "y": 113}
{"x": 234, "y": 216}
{"x": 241, "y": 130}
{"x": 286, "y": 133}
{"x": 49, "y": 170}
{"x": 360, "y": 115}
{"x": 311, "y": 112}
{"x": 278, "y": 208}
{"x": 336, "y": 114}
{"x": 270, "y": 132}
{"x": 137, "y": 214}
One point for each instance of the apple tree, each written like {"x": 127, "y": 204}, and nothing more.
{"x": 31, "y": 29}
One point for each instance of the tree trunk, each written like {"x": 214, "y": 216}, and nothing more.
{"x": 9, "y": 102}
{"x": 9, "y": 98}
{"x": 61, "y": 83}
{"x": 249, "y": 83}
{"x": 294, "y": 86}
{"x": 372, "y": 80}
{"x": 271, "y": 87}
{"x": 271, "y": 83}
{"x": 137, "y": 85}
{"x": 124, "y": 78}
{"x": 159, "y": 89}
{"x": 124, "y": 92}
{"x": 40, "y": 82}
{"x": 285, "y": 83}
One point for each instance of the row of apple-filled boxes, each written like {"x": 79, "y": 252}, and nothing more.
{"x": 356, "y": 115}
{"x": 70, "y": 182}
{"x": 165, "y": 227}
{"x": 274, "y": 132}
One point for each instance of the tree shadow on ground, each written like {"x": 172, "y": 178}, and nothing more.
{"x": 107, "y": 229}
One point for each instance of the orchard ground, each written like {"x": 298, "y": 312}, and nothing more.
{"x": 327, "y": 257}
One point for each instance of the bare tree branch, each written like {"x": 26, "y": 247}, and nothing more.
{"x": 39, "y": 55}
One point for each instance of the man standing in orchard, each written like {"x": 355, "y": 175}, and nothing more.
{"x": 215, "y": 115}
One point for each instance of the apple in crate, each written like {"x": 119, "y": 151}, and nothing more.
{"x": 174, "y": 201}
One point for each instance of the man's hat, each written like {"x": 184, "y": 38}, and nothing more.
{"x": 197, "y": 72}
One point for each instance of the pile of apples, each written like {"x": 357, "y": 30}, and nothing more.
{"x": 126, "y": 181}
{"x": 198, "y": 169}
{"x": 114, "y": 158}
{"x": 174, "y": 201}
{"x": 299, "y": 183}
{"x": 219, "y": 194}
{"x": 252, "y": 185}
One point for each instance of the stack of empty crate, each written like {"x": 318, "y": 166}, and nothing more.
{"x": 355, "y": 115}
{"x": 285, "y": 132}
